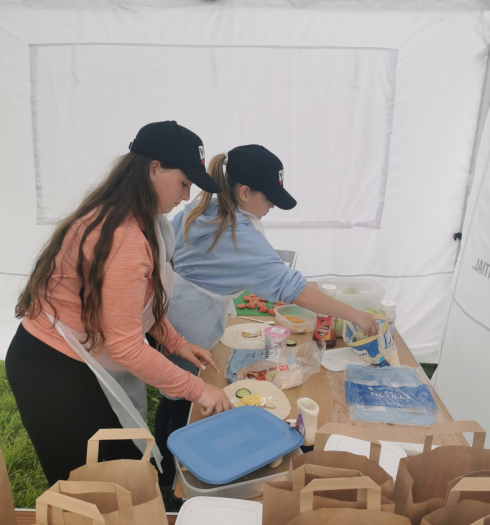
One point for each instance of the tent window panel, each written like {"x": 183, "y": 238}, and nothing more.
{"x": 326, "y": 112}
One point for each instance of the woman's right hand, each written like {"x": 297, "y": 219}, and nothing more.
{"x": 213, "y": 400}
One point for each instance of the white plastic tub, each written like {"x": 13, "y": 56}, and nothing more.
{"x": 245, "y": 487}
{"x": 220, "y": 511}
{"x": 357, "y": 292}
{"x": 292, "y": 309}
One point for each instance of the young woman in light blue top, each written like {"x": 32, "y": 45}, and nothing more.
{"x": 220, "y": 243}
{"x": 221, "y": 250}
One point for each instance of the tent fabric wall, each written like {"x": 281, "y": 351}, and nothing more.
{"x": 462, "y": 375}
{"x": 380, "y": 196}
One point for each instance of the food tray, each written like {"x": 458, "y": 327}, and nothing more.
{"x": 246, "y": 487}
{"x": 297, "y": 311}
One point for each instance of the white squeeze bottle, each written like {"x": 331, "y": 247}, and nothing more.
{"x": 389, "y": 309}
{"x": 307, "y": 419}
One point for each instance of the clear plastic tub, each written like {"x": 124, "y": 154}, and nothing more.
{"x": 296, "y": 311}
{"x": 357, "y": 292}
{"x": 245, "y": 487}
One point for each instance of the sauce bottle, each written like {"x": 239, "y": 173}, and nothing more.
{"x": 325, "y": 324}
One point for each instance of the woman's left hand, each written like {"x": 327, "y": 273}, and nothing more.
{"x": 366, "y": 322}
{"x": 197, "y": 356}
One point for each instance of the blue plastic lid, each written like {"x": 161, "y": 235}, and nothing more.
{"x": 229, "y": 445}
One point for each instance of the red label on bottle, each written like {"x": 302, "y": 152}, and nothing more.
{"x": 284, "y": 367}
{"x": 324, "y": 328}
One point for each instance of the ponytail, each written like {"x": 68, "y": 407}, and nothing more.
{"x": 226, "y": 202}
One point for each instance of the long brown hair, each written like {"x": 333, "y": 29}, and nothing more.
{"x": 127, "y": 189}
{"x": 227, "y": 202}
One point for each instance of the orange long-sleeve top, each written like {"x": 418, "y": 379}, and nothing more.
{"x": 127, "y": 287}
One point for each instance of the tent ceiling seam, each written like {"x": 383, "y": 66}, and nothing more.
{"x": 379, "y": 275}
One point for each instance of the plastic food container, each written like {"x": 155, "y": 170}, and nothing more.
{"x": 245, "y": 487}
{"x": 356, "y": 292}
{"x": 220, "y": 511}
{"x": 232, "y": 444}
{"x": 296, "y": 311}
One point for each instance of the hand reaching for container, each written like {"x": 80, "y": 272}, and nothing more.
{"x": 213, "y": 400}
{"x": 197, "y": 356}
{"x": 366, "y": 322}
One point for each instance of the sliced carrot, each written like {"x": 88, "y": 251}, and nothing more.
{"x": 241, "y": 305}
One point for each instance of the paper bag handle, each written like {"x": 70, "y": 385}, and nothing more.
{"x": 123, "y": 496}
{"x": 299, "y": 475}
{"x": 371, "y": 490}
{"x": 109, "y": 434}
{"x": 482, "y": 521}
{"x": 323, "y": 433}
{"x": 468, "y": 485}
{"x": 76, "y": 506}
{"x": 456, "y": 427}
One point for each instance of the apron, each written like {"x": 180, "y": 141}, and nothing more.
{"x": 200, "y": 315}
{"x": 125, "y": 392}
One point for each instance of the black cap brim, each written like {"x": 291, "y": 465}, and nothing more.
{"x": 280, "y": 198}
{"x": 202, "y": 180}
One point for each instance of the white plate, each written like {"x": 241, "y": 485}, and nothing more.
{"x": 390, "y": 453}
{"x": 263, "y": 388}
{"x": 336, "y": 360}
{"x": 219, "y": 511}
{"x": 234, "y": 339}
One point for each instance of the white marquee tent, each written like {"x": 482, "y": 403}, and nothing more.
{"x": 377, "y": 109}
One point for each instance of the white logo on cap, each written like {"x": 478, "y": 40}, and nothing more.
{"x": 201, "y": 154}
{"x": 281, "y": 176}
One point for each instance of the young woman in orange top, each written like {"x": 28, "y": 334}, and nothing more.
{"x": 100, "y": 283}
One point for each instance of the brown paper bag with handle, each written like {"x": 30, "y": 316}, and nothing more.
{"x": 7, "y": 510}
{"x": 422, "y": 480}
{"x": 349, "y": 517}
{"x": 114, "y": 502}
{"x": 139, "y": 477}
{"x": 63, "y": 507}
{"x": 371, "y": 495}
{"x": 281, "y": 500}
{"x": 477, "y": 496}
{"x": 346, "y": 460}
{"x": 466, "y": 511}
{"x": 346, "y": 498}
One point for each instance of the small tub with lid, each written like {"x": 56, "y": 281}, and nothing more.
{"x": 275, "y": 337}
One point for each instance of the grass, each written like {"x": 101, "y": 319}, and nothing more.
{"x": 26, "y": 476}
{"x": 429, "y": 369}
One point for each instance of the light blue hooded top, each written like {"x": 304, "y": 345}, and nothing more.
{"x": 225, "y": 270}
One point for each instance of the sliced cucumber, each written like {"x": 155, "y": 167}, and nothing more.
{"x": 242, "y": 392}
{"x": 291, "y": 342}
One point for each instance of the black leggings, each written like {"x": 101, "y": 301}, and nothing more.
{"x": 61, "y": 405}
{"x": 170, "y": 416}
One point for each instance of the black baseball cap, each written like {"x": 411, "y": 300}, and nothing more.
{"x": 258, "y": 168}
{"x": 176, "y": 147}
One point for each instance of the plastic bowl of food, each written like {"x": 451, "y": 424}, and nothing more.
{"x": 297, "y": 319}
